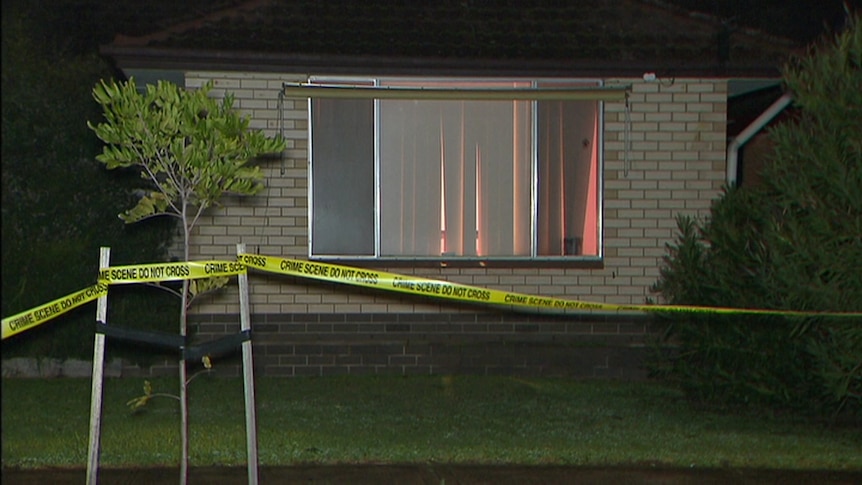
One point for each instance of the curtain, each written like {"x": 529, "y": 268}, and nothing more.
{"x": 455, "y": 178}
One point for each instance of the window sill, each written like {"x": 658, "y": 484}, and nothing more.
{"x": 563, "y": 263}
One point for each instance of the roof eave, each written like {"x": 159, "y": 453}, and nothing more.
{"x": 134, "y": 57}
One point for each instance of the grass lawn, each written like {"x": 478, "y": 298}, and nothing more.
{"x": 487, "y": 420}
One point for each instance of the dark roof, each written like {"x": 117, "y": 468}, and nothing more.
{"x": 612, "y": 37}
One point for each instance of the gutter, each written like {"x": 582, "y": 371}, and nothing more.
{"x": 748, "y": 133}
{"x": 135, "y": 57}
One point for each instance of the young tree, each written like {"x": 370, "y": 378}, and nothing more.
{"x": 192, "y": 149}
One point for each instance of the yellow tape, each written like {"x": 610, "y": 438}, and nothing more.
{"x": 456, "y": 291}
{"x": 189, "y": 270}
{"x": 414, "y": 285}
{"x": 41, "y": 314}
{"x": 115, "y": 275}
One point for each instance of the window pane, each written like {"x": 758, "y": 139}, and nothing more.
{"x": 567, "y": 200}
{"x": 455, "y": 178}
{"x": 342, "y": 174}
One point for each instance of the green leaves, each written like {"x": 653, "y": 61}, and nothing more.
{"x": 794, "y": 242}
{"x": 153, "y": 204}
{"x": 191, "y": 147}
{"x": 205, "y": 285}
{"x": 137, "y": 403}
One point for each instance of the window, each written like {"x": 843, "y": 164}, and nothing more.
{"x": 455, "y": 178}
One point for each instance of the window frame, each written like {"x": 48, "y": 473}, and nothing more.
{"x": 533, "y": 259}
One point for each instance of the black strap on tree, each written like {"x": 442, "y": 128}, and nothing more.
{"x": 221, "y": 346}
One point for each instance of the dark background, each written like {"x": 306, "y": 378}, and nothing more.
{"x": 81, "y": 26}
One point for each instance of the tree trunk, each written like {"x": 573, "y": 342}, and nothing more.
{"x": 184, "y": 404}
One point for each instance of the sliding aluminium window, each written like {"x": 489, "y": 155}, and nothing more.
{"x": 444, "y": 179}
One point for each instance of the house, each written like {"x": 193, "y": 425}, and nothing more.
{"x": 540, "y": 147}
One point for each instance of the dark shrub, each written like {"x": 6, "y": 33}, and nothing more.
{"x": 794, "y": 243}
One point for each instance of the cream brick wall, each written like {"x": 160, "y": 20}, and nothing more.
{"x": 674, "y": 163}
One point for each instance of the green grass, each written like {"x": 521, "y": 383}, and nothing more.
{"x": 485, "y": 420}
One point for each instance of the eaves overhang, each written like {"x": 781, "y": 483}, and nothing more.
{"x": 137, "y": 57}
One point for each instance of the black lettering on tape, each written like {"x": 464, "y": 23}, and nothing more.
{"x": 402, "y": 283}
{"x": 291, "y": 266}
{"x": 23, "y": 321}
{"x": 254, "y": 260}
{"x": 211, "y": 268}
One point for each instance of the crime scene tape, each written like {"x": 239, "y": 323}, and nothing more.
{"x": 474, "y": 294}
{"x": 139, "y": 273}
{"x": 41, "y": 314}
{"x": 149, "y": 273}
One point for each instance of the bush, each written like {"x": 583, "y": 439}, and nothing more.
{"x": 60, "y": 205}
{"x": 793, "y": 243}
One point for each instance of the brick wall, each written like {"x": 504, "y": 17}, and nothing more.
{"x": 430, "y": 343}
{"x": 673, "y": 162}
